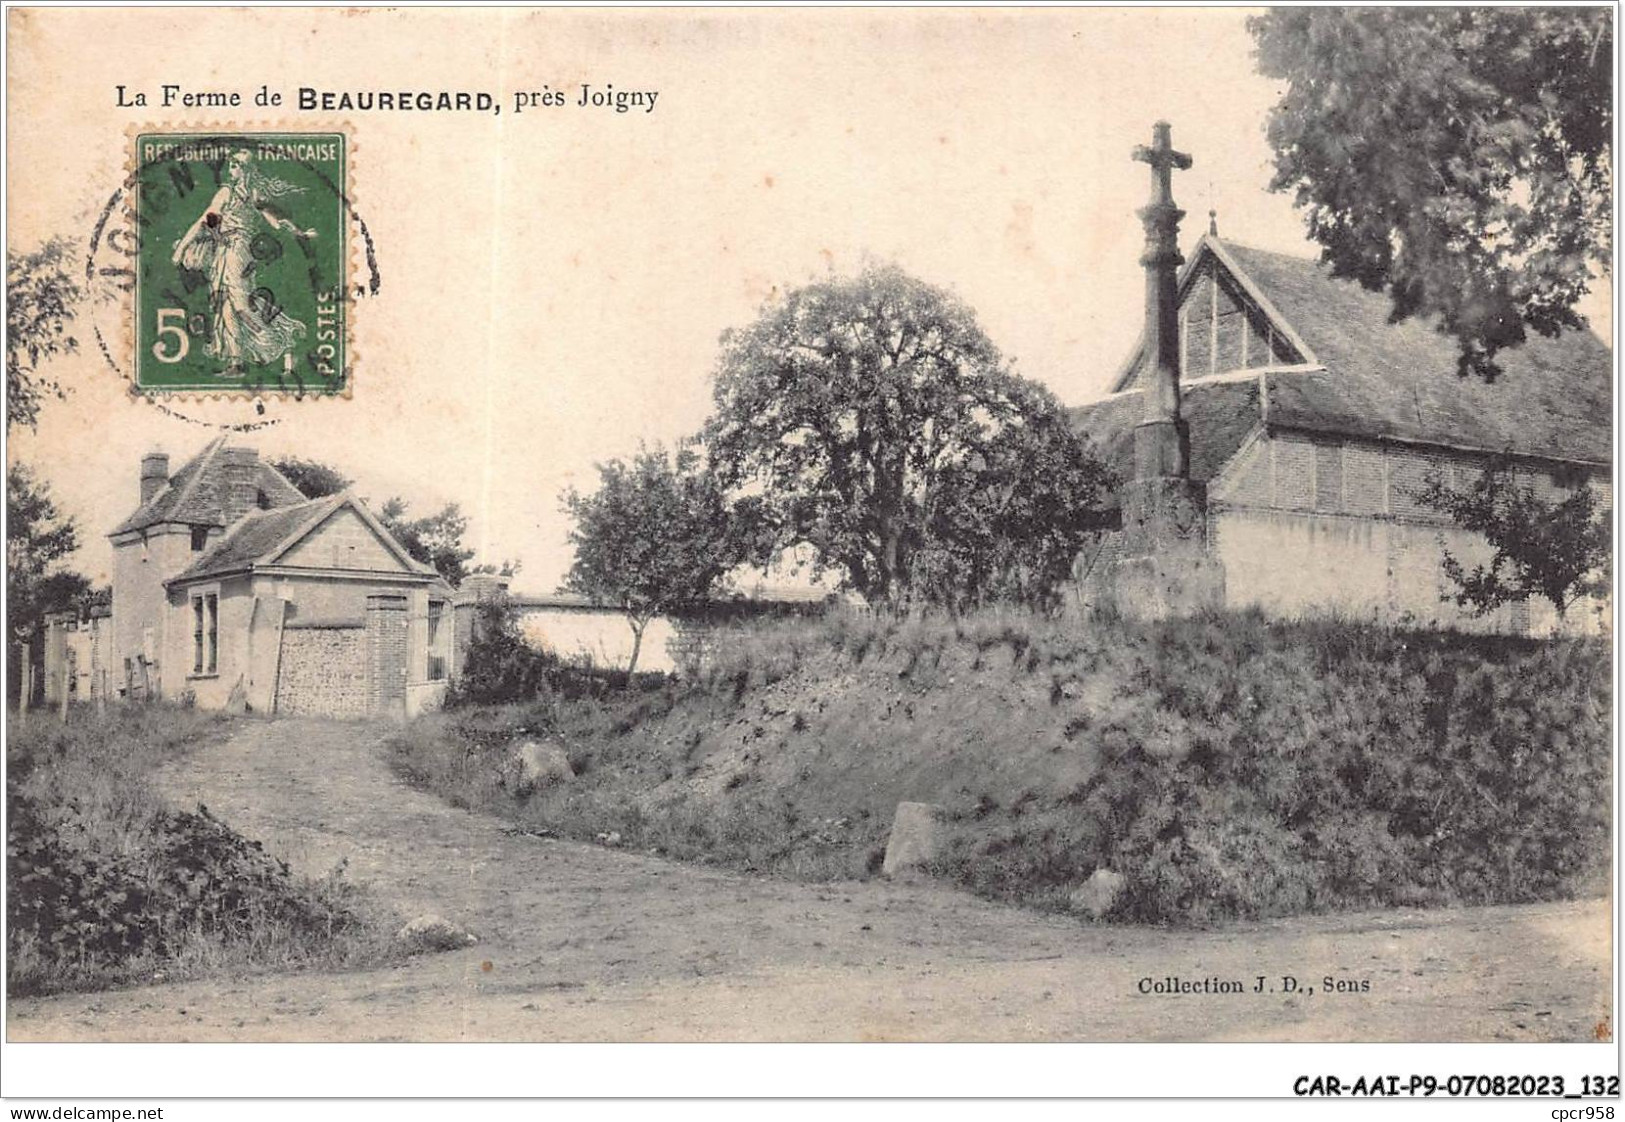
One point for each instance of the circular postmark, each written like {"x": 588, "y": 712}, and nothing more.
{"x": 227, "y": 265}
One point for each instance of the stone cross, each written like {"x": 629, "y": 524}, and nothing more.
{"x": 1163, "y": 159}
{"x": 1161, "y": 446}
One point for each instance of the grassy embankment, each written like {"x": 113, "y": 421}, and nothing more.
{"x": 109, "y": 886}
{"x": 1228, "y": 766}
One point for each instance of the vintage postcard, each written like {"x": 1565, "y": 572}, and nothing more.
{"x": 815, "y": 525}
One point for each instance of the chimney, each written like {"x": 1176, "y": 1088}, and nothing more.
{"x": 240, "y": 482}
{"x": 154, "y": 475}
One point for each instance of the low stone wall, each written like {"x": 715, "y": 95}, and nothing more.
{"x": 597, "y": 635}
{"x": 323, "y": 670}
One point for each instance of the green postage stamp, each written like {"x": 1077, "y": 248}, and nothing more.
{"x": 242, "y": 263}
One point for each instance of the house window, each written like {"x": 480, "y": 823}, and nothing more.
{"x": 437, "y": 659}
{"x": 262, "y": 500}
{"x": 200, "y": 538}
{"x": 206, "y": 633}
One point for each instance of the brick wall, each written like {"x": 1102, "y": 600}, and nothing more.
{"x": 693, "y": 644}
{"x": 1292, "y": 472}
{"x": 348, "y": 668}
{"x": 1287, "y": 471}
{"x": 386, "y": 653}
{"x": 1365, "y": 480}
{"x": 1328, "y": 475}
{"x": 1334, "y": 526}
{"x": 1407, "y": 474}
{"x": 1221, "y": 330}
{"x": 1196, "y": 314}
{"x": 323, "y": 671}
{"x": 1248, "y": 479}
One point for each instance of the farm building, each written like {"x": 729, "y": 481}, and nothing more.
{"x": 233, "y": 590}
{"x": 1309, "y": 422}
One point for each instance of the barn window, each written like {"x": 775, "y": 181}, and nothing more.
{"x": 200, "y": 538}
{"x": 262, "y": 500}
{"x": 206, "y": 633}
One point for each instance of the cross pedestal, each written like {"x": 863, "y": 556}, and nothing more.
{"x": 1164, "y": 566}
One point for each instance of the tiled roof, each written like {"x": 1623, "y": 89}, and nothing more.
{"x": 1377, "y": 380}
{"x": 196, "y": 494}
{"x": 1219, "y": 414}
{"x": 1399, "y": 380}
{"x": 255, "y": 539}
{"x": 256, "y": 534}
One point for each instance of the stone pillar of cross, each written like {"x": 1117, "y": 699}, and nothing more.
{"x": 1162, "y": 447}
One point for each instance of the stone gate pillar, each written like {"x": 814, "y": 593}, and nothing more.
{"x": 465, "y": 612}
{"x": 386, "y": 647}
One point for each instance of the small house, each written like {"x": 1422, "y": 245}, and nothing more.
{"x": 233, "y": 590}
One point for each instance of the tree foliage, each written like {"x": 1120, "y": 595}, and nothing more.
{"x": 314, "y": 479}
{"x": 1458, "y": 157}
{"x": 508, "y": 567}
{"x": 871, "y": 419}
{"x": 499, "y": 665}
{"x": 656, "y": 538}
{"x": 1560, "y": 550}
{"x": 435, "y": 539}
{"x": 41, "y": 295}
{"x": 38, "y": 538}
{"x": 1008, "y": 524}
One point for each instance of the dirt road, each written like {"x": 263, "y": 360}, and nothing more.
{"x": 589, "y": 943}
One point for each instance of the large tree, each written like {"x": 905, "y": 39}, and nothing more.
{"x": 1458, "y": 157}
{"x": 1008, "y": 524}
{"x": 41, "y": 295}
{"x": 871, "y": 419}
{"x": 654, "y": 539}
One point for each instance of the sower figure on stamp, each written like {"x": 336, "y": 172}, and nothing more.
{"x": 248, "y": 326}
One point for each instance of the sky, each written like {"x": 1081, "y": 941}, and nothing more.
{"x": 554, "y": 282}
